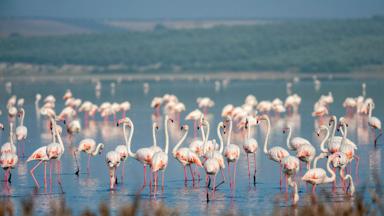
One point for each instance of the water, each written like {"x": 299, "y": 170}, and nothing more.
{"x": 87, "y": 191}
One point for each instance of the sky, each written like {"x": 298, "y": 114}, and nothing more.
{"x": 191, "y": 9}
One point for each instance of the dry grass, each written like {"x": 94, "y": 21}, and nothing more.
{"x": 371, "y": 205}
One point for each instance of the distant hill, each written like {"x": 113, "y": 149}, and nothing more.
{"x": 298, "y": 45}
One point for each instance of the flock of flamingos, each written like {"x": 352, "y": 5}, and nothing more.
{"x": 202, "y": 152}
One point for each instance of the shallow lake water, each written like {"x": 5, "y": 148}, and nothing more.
{"x": 87, "y": 191}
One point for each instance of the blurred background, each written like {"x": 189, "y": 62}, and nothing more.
{"x": 183, "y": 36}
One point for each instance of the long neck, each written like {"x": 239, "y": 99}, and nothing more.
{"x": 320, "y": 156}
{"x": 267, "y": 136}
{"x": 59, "y": 138}
{"x": 333, "y": 128}
{"x": 179, "y": 143}
{"x": 370, "y": 111}
{"x": 229, "y": 132}
{"x": 166, "y": 135}
{"x": 344, "y": 131}
{"x": 22, "y": 117}
{"x": 289, "y": 138}
{"x": 37, "y": 105}
{"x": 322, "y": 148}
{"x": 248, "y": 131}
{"x": 205, "y": 139}
{"x": 97, "y": 150}
{"x": 11, "y": 133}
{"x": 295, "y": 189}
{"x": 53, "y": 123}
{"x": 154, "y": 135}
{"x": 333, "y": 176}
{"x": 128, "y": 140}
{"x": 220, "y": 137}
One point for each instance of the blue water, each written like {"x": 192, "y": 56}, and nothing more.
{"x": 87, "y": 191}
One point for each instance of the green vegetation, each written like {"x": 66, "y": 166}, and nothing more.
{"x": 305, "y": 46}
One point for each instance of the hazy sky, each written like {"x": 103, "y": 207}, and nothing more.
{"x": 170, "y": 9}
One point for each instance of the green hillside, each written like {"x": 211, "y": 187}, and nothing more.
{"x": 305, "y": 46}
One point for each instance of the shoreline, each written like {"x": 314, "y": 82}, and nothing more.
{"x": 195, "y": 76}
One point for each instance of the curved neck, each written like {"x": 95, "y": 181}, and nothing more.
{"x": 333, "y": 128}
{"x": 267, "y": 136}
{"x": 344, "y": 131}
{"x": 179, "y": 143}
{"x": 289, "y": 137}
{"x": 22, "y": 116}
{"x": 248, "y": 130}
{"x": 220, "y": 137}
{"x": 154, "y": 135}
{"x": 59, "y": 138}
{"x": 37, "y": 105}
{"x": 229, "y": 132}
{"x": 166, "y": 134}
{"x": 97, "y": 150}
{"x": 322, "y": 148}
{"x": 370, "y": 111}
{"x": 320, "y": 156}
{"x": 128, "y": 141}
{"x": 333, "y": 176}
{"x": 53, "y": 123}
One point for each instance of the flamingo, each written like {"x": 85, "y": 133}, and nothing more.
{"x": 232, "y": 153}
{"x": 40, "y": 155}
{"x": 156, "y": 104}
{"x": 9, "y": 147}
{"x": 194, "y": 116}
{"x": 250, "y": 146}
{"x": 348, "y": 147}
{"x": 374, "y": 123}
{"x": 215, "y": 153}
{"x": 205, "y": 103}
{"x": 340, "y": 160}
{"x": 276, "y": 153}
{"x": 125, "y": 107}
{"x": 55, "y": 151}
{"x": 295, "y": 142}
{"x": 143, "y": 155}
{"x": 21, "y": 130}
{"x": 112, "y": 159}
{"x": 291, "y": 165}
{"x": 160, "y": 158}
{"x": 186, "y": 156}
{"x": 324, "y": 151}
{"x": 88, "y": 146}
{"x": 67, "y": 94}
{"x": 8, "y": 161}
{"x": 317, "y": 176}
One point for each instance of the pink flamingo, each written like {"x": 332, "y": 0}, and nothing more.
{"x": 55, "y": 151}
{"x": 185, "y": 155}
{"x": 276, "y": 153}
{"x": 8, "y": 161}
{"x": 232, "y": 153}
{"x": 250, "y": 146}
{"x": 21, "y": 130}
{"x": 113, "y": 161}
{"x": 374, "y": 123}
{"x": 88, "y": 146}
{"x": 317, "y": 176}
{"x": 160, "y": 158}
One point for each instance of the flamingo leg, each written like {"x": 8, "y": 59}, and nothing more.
{"x": 357, "y": 158}
{"x": 254, "y": 173}
{"x": 50, "y": 175}
{"x": 334, "y": 182}
{"x": 45, "y": 175}
{"x": 286, "y": 184}
{"x": 123, "y": 171}
{"x": 214, "y": 187}
{"x": 162, "y": 180}
{"x": 59, "y": 174}
{"x": 89, "y": 164}
{"x": 314, "y": 189}
{"x": 249, "y": 172}
{"x": 193, "y": 175}
{"x": 33, "y": 176}
{"x": 234, "y": 173}
{"x": 230, "y": 177}
{"x": 77, "y": 164}
{"x": 281, "y": 173}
